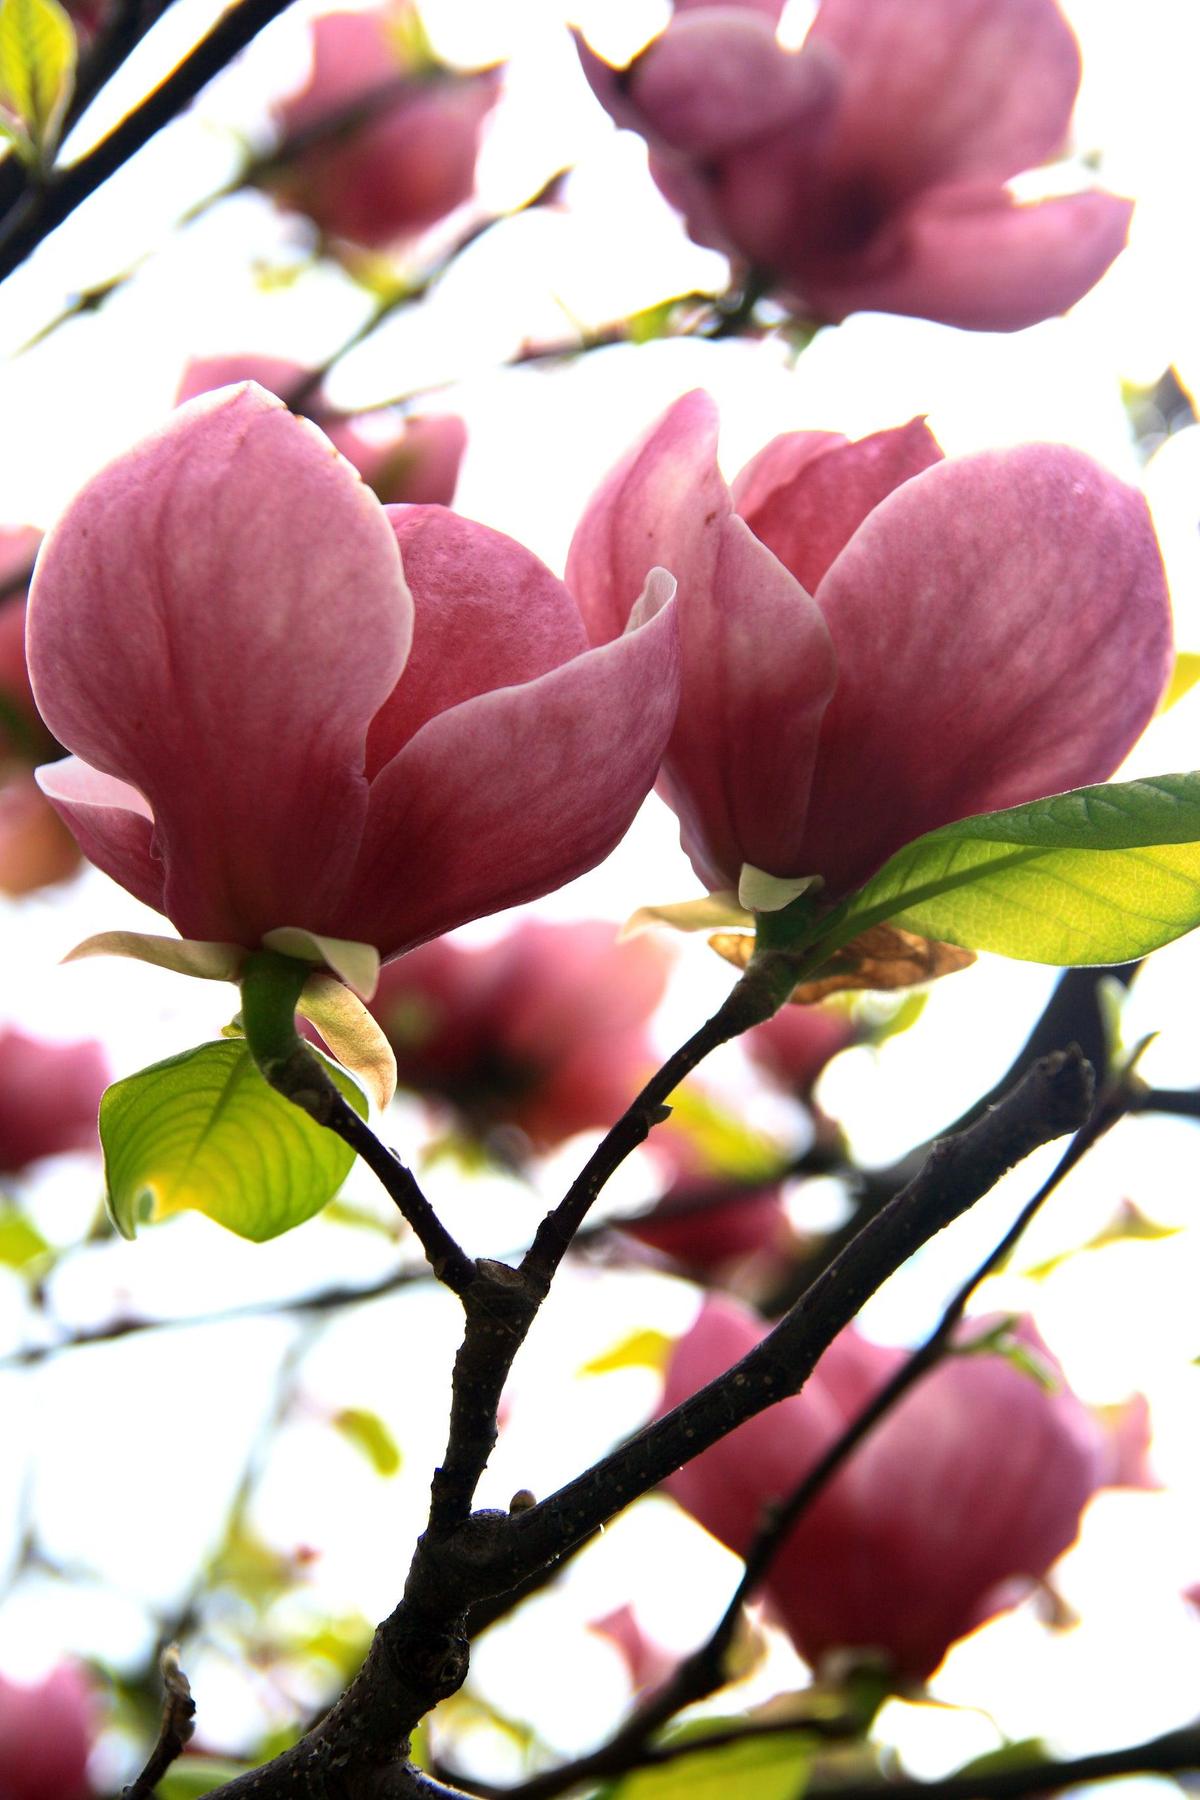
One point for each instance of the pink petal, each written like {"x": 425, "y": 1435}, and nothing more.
{"x": 742, "y": 753}
{"x": 515, "y": 792}
{"x": 215, "y": 620}
{"x": 973, "y": 257}
{"x": 418, "y": 467}
{"x": 204, "y": 374}
{"x": 939, "y": 90}
{"x": 1002, "y": 632}
{"x": 487, "y": 614}
{"x": 809, "y": 517}
{"x": 110, "y": 822}
{"x": 718, "y": 78}
{"x": 777, "y": 465}
{"x": 770, "y": 9}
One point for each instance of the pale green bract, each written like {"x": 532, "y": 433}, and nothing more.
{"x": 757, "y": 1768}
{"x": 204, "y": 1132}
{"x": 1098, "y": 875}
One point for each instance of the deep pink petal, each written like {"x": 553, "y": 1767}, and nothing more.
{"x": 517, "y": 791}
{"x": 776, "y": 466}
{"x": 975, "y": 258}
{"x": 940, "y": 90}
{"x": 487, "y": 614}
{"x": 808, "y": 520}
{"x": 1002, "y": 632}
{"x": 719, "y": 78}
{"x": 110, "y": 822}
{"x": 741, "y": 755}
{"x": 215, "y": 620}
{"x": 770, "y": 9}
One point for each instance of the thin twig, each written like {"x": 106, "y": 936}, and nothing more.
{"x": 173, "y": 1733}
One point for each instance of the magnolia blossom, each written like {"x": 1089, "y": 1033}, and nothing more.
{"x": 49, "y": 1098}
{"x": 35, "y": 847}
{"x": 544, "y": 1031}
{"x": 867, "y": 170}
{"x": 277, "y": 724}
{"x": 46, "y": 1730}
{"x": 958, "y": 1501}
{"x": 875, "y": 641}
{"x": 417, "y": 464}
{"x": 412, "y": 158}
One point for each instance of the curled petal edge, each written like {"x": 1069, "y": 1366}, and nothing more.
{"x": 186, "y": 956}
{"x": 703, "y": 914}
{"x": 352, "y": 1034}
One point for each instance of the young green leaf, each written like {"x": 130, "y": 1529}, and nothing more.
{"x": 37, "y": 70}
{"x": 756, "y": 1768}
{"x": 368, "y": 1433}
{"x": 203, "y": 1131}
{"x": 1099, "y": 875}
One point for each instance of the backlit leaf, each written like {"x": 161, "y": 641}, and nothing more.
{"x": 203, "y": 1131}
{"x": 1099, "y": 875}
{"x": 37, "y": 68}
{"x": 756, "y": 1768}
{"x": 368, "y": 1433}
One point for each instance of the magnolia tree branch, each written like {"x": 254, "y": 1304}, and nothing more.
{"x": 1173, "y": 1753}
{"x": 419, "y": 1654}
{"x": 703, "y": 1672}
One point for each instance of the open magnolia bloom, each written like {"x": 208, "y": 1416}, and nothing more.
{"x": 277, "y": 724}
{"x": 866, "y": 171}
{"x": 948, "y": 1513}
{"x": 876, "y": 641}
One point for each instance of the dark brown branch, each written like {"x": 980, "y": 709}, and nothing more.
{"x": 40, "y": 209}
{"x": 1054, "y": 1098}
{"x": 756, "y": 997}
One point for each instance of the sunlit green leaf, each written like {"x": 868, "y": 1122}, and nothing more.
{"x": 757, "y": 1768}
{"x": 368, "y": 1433}
{"x": 37, "y": 68}
{"x": 1128, "y": 1224}
{"x": 21, "y": 1243}
{"x": 203, "y": 1131}
{"x": 1017, "y": 1755}
{"x": 1099, "y": 875}
{"x": 640, "y": 1350}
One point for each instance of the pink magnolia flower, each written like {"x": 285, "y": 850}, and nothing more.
{"x": 866, "y": 171}
{"x": 706, "y": 1227}
{"x": 49, "y": 1098}
{"x": 418, "y": 464}
{"x": 46, "y": 1731}
{"x": 275, "y": 723}
{"x": 35, "y": 847}
{"x": 544, "y": 1030}
{"x": 408, "y": 164}
{"x": 957, "y": 1502}
{"x": 875, "y": 641}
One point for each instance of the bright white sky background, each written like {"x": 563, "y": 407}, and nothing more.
{"x": 539, "y": 441}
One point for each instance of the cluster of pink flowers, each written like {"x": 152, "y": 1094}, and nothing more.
{"x": 867, "y": 170}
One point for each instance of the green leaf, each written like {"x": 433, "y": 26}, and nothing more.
{"x": 21, "y": 1243}
{"x": 37, "y": 68}
{"x": 757, "y": 1768}
{"x": 368, "y": 1433}
{"x": 193, "y": 1776}
{"x": 203, "y": 1131}
{"x": 1099, "y": 875}
{"x": 1184, "y": 676}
